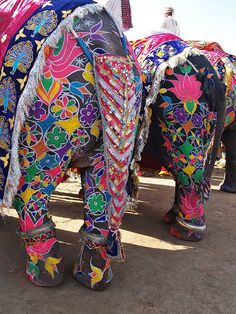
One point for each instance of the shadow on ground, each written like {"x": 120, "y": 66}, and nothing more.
{"x": 161, "y": 274}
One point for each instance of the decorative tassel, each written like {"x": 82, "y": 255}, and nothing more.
{"x": 126, "y": 14}
{"x": 115, "y": 249}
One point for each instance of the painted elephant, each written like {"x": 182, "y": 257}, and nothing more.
{"x": 69, "y": 90}
{"x": 225, "y": 66}
{"x": 183, "y": 118}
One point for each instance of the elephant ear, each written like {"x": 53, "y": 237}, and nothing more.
{"x": 208, "y": 87}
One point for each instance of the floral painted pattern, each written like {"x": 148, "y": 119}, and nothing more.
{"x": 187, "y": 127}
{"x": 186, "y": 87}
{"x": 64, "y": 108}
{"x": 31, "y": 134}
{"x": 37, "y": 110}
{"x": 40, "y": 260}
{"x": 56, "y": 138}
{"x": 96, "y": 204}
{"x": 182, "y": 119}
{"x": 89, "y": 114}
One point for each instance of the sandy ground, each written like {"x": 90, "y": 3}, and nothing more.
{"x": 161, "y": 274}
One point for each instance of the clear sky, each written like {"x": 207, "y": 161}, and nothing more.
{"x": 212, "y": 20}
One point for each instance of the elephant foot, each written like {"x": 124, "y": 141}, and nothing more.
{"x": 187, "y": 231}
{"x": 92, "y": 268}
{"x": 228, "y": 187}
{"x": 164, "y": 172}
{"x": 229, "y": 183}
{"x": 81, "y": 194}
{"x": 183, "y": 234}
{"x": 44, "y": 265}
{"x": 180, "y": 232}
{"x": 170, "y": 217}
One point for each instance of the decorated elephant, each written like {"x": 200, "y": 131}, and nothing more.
{"x": 183, "y": 118}
{"x": 69, "y": 90}
{"x": 225, "y": 66}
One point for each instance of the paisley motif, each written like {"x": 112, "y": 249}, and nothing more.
{"x": 7, "y": 94}
{"x": 20, "y": 57}
{"x": 42, "y": 23}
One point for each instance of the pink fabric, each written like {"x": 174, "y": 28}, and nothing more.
{"x": 214, "y": 56}
{"x": 149, "y": 43}
{"x": 213, "y": 50}
{"x": 13, "y": 13}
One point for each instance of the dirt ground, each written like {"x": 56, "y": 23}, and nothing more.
{"x": 161, "y": 274}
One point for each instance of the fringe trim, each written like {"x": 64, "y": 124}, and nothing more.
{"x": 115, "y": 249}
{"x": 89, "y": 236}
{"x": 229, "y": 64}
{"x": 26, "y": 98}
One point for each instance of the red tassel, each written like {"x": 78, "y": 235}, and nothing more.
{"x": 126, "y": 14}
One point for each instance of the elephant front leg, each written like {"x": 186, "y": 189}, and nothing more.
{"x": 229, "y": 140}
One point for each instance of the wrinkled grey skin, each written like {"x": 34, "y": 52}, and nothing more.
{"x": 229, "y": 141}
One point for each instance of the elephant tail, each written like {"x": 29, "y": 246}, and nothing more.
{"x": 119, "y": 96}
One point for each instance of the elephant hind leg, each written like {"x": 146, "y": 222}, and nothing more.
{"x": 44, "y": 255}
{"x": 41, "y": 171}
{"x": 229, "y": 140}
{"x": 92, "y": 267}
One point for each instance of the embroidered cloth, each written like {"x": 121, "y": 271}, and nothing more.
{"x": 153, "y": 51}
{"x": 25, "y": 25}
{"x": 212, "y": 50}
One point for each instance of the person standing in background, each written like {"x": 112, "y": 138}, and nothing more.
{"x": 121, "y": 11}
{"x": 170, "y": 22}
